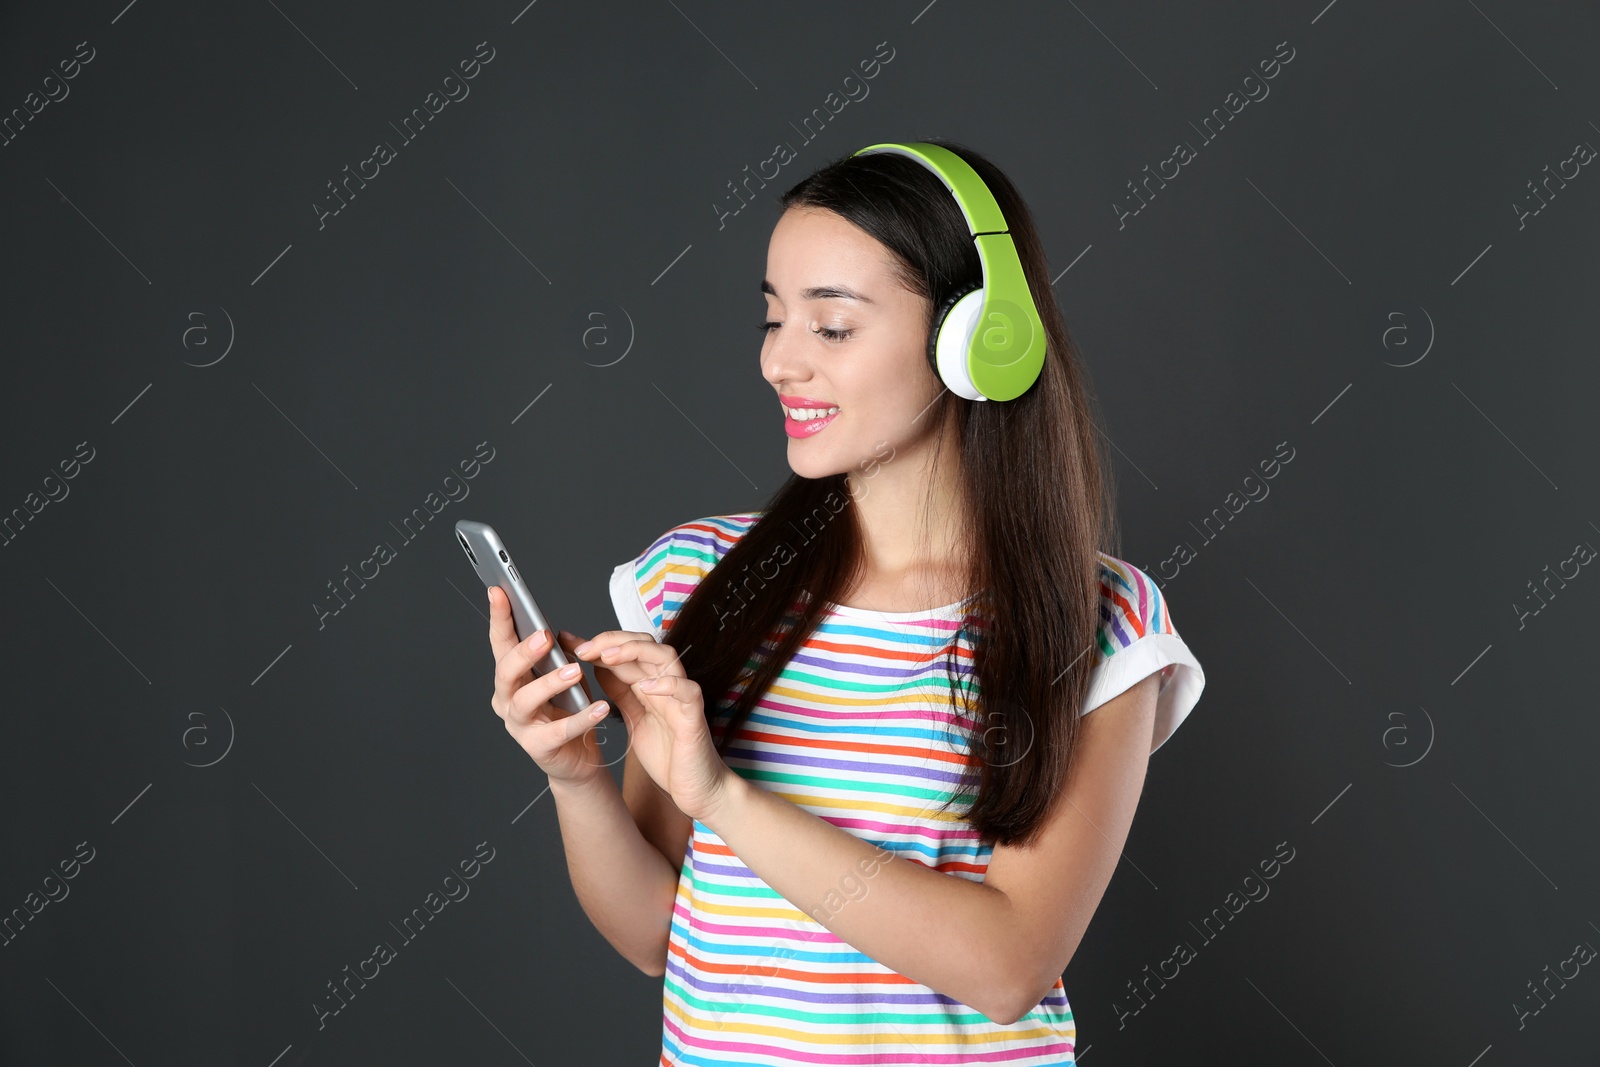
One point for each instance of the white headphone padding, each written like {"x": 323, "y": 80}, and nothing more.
{"x": 955, "y": 338}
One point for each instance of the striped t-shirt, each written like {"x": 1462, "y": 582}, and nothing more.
{"x": 858, "y": 730}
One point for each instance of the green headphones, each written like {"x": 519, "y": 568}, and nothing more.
{"x": 988, "y": 342}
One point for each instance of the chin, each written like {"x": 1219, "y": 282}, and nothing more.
{"x": 817, "y": 458}
{"x": 812, "y": 466}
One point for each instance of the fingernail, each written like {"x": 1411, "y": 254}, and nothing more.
{"x": 537, "y": 639}
{"x": 569, "y": 671}
{"x": 599, "y": 709}
{"x": 648, "y": 683}
{"x": 581, "y": 649}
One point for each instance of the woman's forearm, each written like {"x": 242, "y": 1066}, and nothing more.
{"x": 952, "y": 935}
{"x": 625, "y": 885}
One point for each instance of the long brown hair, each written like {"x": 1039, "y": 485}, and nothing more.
{"x": 1039, "y": 505}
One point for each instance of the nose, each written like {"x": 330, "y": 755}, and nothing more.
{"x": 782, "y": 362}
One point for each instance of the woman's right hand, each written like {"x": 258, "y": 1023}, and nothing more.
{"x": 561, "y": 743}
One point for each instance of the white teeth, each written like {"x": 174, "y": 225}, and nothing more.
{"x": 806, "y": 414}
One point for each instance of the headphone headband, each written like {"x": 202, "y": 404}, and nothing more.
{"x": 989, "y": 345}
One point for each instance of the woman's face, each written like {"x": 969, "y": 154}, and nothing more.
{"x": 844, "y": 333}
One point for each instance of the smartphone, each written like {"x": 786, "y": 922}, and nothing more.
{"x": 493, "y": 564}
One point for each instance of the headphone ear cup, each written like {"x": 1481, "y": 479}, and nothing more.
{"x": 941, "y": 313}
{"x": 953, "y": 325}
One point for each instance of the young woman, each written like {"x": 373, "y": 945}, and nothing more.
{"x": 865, "y": 815}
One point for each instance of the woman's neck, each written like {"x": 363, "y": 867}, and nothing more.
{"x": 911, "y": 529}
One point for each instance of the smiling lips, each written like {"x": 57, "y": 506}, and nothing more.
{"x": 814, "y": 415}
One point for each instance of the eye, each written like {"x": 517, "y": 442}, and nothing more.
{"x": 826, "y": 332}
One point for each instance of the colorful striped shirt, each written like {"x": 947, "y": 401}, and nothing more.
{"x": 858, "y": 729}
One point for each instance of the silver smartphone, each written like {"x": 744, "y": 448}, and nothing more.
{"x": 494, "y": 566}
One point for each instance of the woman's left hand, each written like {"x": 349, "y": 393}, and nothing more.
{"x": 670, "y": 737}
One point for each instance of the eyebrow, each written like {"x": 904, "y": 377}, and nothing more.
{"x": 822, "y": 292}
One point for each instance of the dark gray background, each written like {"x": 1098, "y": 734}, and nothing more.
{"x": 1361, "y": 616}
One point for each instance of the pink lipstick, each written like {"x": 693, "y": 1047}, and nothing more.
{"x": 805, "y": 427}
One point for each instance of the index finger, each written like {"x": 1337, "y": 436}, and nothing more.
{"x": 605, "y": 639}
{"x": 623, "y": 645}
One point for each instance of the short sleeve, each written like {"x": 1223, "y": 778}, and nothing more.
{"x": 1137, "y": 639}
{"x": 632, "y": 615}
{"x": 648, "y": 590}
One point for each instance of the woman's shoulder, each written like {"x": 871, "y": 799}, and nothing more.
{"x": 648, "y": 590}
{"x": 1131, "y": 605}
{"x": 706, "y": 539}
{"x": 1137, "y": 639}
